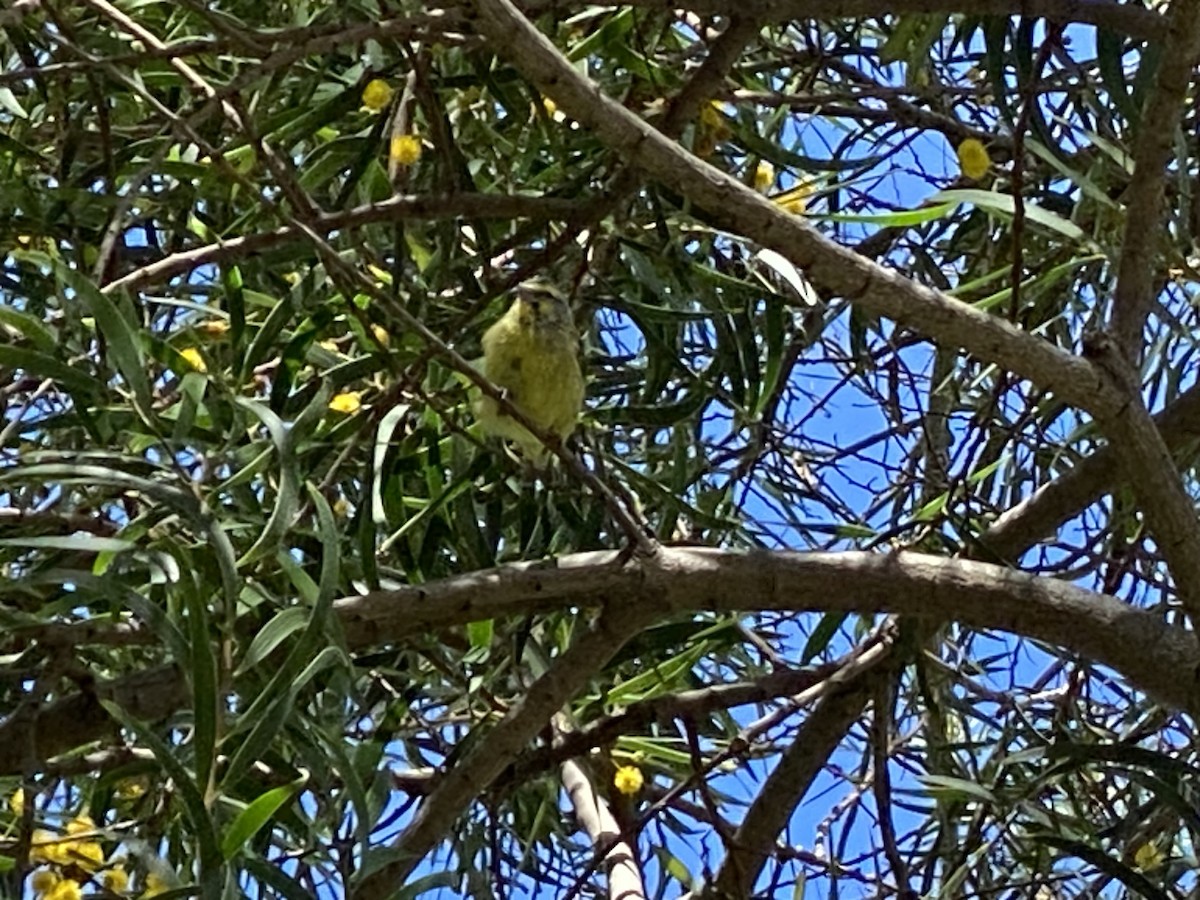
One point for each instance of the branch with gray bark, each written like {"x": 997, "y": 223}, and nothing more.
{"x": 1154, "y": 656}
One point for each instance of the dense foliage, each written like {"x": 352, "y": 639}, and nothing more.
{"x": 250, "y": 643}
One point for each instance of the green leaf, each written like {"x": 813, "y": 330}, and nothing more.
{"x": 901, "y": 219}
{"x": 657, "y": 679}
{"x": 278, "y": 880}
{"x": 82, "y": 543}
{"x": 1003, "y": 204}
{"x": 40, "y": 365}
{"x": 251, "y": 819}
{"x": 1041, "y": 281}
{"x": 39, "y": 335}
{"x": 480, "y": 633}
{"x": 675, "y": 867}
{"x": 124, "y": 340}
{"x": 933, "y": 509}
{"x": 203, "y": 677}
{"x": 8, "y": 101}
{"x": 282, "y": 625}
{"x": 947, "y": 787}
{"x": 287, "y": 499}
{"x": 821, "y": 635}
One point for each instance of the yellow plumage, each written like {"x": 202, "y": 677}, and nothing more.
{"x": 531, "y": 353}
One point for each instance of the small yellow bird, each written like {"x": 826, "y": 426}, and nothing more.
{"x": 531, "y": 353}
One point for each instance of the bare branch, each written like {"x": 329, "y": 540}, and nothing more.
{"x": 883, "y": 711}
{"x": 1155, "y": 657}
{"x": 684, "y": 704}
{"x": 1169, "y": 510}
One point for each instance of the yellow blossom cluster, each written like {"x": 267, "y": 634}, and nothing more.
{"x": 193, "y": 358}
{"x": 67, "y": 860}
{"x": 405, "y": 149}
{"x": 764, "y": 176}
{"x": 347, "y": 402}
{"x": 70, "y": 860}
{"x": 711, "y": 129}
{"x": 973, "y": 159}
{"x": 628, "y": 780}
{"x": 795, "y": 199}
{"x": 376, "y": 95}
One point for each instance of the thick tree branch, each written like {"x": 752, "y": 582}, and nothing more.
{"x": 1169, "y": 510}
{"x": 1155, "y": 657}
{"x": 1137, "y": 643}
{"x": 1140, "y": 247}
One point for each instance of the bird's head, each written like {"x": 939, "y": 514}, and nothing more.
{"x": 543, "y": 306}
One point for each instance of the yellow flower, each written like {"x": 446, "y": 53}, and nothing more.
{"x": 341, "y": 507}
{"x": 764, "y": 176}
{"x": 711, "y": 128}
{"x": 16, "y": 802}
{"x": 81, "y": 824}
{"x": 712, "y": 118}
{"x": 45, "y": 846}
{"x": 43, "y": 880}
{"x": 115, "y": 880}
{"x": 376, "y": 95}
{"x": 405, "y": 149}
{"x": 1148, "y": 857}
{"x": 291, "y": 278}
{"x": 214, "y": 327}
{"x": 794, "y": 199}
{"x": 64, "y": 890}
{"x": 381, "y": 334}
{"x": 155, "y": 885}
{"x": 130, "y": 789}
{"x": 973, "y": 159}
{"x": 628, "y": 780}
{"x": 550, "y": 106}
{"x": 348, "y": 402}
{"x": 193, "y": 358}
{"x": 88, "y": 855}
